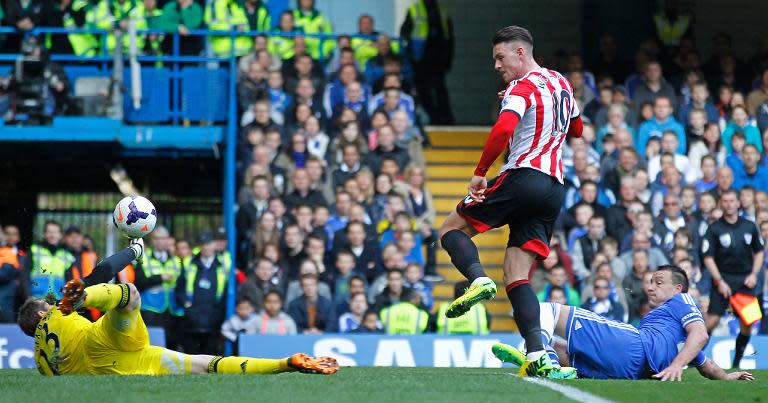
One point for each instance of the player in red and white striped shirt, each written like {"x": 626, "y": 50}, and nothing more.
{"x": 537, "y": 113}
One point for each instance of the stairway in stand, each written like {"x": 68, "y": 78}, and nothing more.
{"x": 450, "y": 163}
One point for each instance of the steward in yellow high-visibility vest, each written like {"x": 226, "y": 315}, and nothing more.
{"x": 476, "y": 321}
{"x": 116, "y": 14}
{"x": 86, "y": 45}
{"x": 227, "y": 15}
{"x": 154, "y": 18}
{"x": 258, "y": 16}
{"x": 405, "y": 317}
{"x": 311, "y": 21}
{"x": 201, "y": 291}
{"x": 416, "y": 27}
{"x": 49, "y": 263}
{"x": 283, "y": 46}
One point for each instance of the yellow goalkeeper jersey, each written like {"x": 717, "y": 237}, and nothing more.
{"x": 59, "y": 346}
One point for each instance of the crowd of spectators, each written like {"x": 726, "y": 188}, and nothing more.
{"x": 335, "y": 224}
{"x": 663, "y": 139}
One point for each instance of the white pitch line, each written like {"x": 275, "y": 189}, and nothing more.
{"x": 567, "y": 391}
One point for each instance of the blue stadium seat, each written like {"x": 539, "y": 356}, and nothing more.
{"x": 204, "y": 94}
{"x": 155, "y": 96}
{"x": 5, "y": 70}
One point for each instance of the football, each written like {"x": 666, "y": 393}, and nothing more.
{"x": 135, "y": 216}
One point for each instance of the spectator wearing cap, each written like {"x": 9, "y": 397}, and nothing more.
{"x": 200, "y": 290}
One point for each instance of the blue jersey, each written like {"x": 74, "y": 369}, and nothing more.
{"x": 663, "y": 329}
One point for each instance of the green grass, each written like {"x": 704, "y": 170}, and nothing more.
{"x": 362, "y": 385}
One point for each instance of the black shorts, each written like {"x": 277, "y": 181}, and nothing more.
{"x": 718, "y": 304}
{"x": 527, "y": 200}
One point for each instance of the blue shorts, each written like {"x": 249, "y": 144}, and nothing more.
{"x": 602, "y": 348}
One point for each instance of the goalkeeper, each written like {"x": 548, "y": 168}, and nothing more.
{"x": 118, "y": 343}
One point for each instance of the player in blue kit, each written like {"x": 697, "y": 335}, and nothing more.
{"x": 670, "y": 337}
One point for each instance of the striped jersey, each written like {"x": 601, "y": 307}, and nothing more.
{"x": 543, "y": 99}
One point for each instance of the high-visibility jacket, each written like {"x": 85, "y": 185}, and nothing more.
{"x": 108, "y": 14}
{"x": 87, "y": 264}
{"x": 281, "y": 46}
{"x": 9, "y": 256}
{"x": 475, "y": 321}
{"x": 366, "y": 49}
{"x": 190, "y": 272}
{"x": 162, "y": 297}
{"x": 670, "y": 32}
{"x": 82, "y": 44}
{"x": 259, "y": 20}
{"x": 312, "y": 22}
{"x": 418, "y": 14}
{"x": 127, "y": 275}
{"x": 227, "y": 15}
{"x": 48, "y": 270}
{"x": 404, "y": 318}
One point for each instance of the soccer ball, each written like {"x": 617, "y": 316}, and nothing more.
{"x": 135, "y": 216}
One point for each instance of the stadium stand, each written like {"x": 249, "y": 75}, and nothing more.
{"x": 322, "y": 134}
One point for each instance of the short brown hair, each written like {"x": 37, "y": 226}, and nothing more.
{"x": 28, "y": 317}
{"x": 513, "y": 33}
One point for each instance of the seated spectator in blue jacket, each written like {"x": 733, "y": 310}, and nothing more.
{"x": 312, "y": 313}
{"x": 661, "y": 121}
{"x": 352, "y": 319}
{"x": 601, "y": 303}
{"x": 355, "y": 97}
{"x": 393, "y": 99}
{"x": 751, "y": 172}
{"x": 700, "y": 100}
{"x": 740, "y": 123}
{"x": 334, "y": 90}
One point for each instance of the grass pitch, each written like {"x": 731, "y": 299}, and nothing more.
{"x": 363, "y": 385}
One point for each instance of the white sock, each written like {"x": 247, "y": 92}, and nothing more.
{"x": 535, "y": 355}
{"x": 481, "y": 280}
